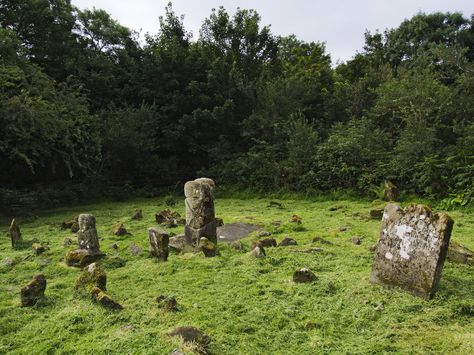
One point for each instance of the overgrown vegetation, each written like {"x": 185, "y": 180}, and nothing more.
{"x": 82, "y": 100}
{"x": 246, "y": 305}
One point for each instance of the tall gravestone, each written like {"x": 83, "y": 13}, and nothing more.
{"x": 88, "y": 240}
{"x": 200, "y": 215}
{"x": 159, "y": 241}
{"x": 15, "y": 233}
{"x": 412, "y": 249}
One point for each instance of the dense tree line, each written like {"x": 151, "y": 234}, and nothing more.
{"x": 82, "y": 99}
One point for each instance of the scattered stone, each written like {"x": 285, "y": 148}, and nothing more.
{"x": 159, "y": 241}
{"x": 376, "y": 213}
{"x": 104, "y": 299}
{"x": 287, "y": 241}
{"x": 137, "y": 213}
{"x": 208, "y": 248}
{"x": 167, "y": 303}
{"x": 68, "y": 242}
{"x": 200, "y": 215}
{"x": 92, "y": 276}
{"x": 237, "y": 245}
{"x": 135, "y": 249}
{"x": 72, "y": 224}
{"x": 219, "y": 222}
{"x": 304, "y": 275}
{"x": 336, "y": 207}
{"x": 8, "y": 262}
{"x": 412, "y": 249}
{"x": 264, "y": 234}
{"x": 235, "y": 231}
{"x": 321, "y": 240}
{"x": 31, "y": 293}
{"x": 296, "y": 219}
{"x": 275, "y": 204}
{"x": 343, "y": 228}
{"x": 389, "y": 191}
{"x": 38, "y": 248}
{"x": 113, "y": 246}
{"x": 15, "y": 233}
{"x": 178, "y": 244}
{"x": 258, "y": 252}
{"x": 356, "y": 240}
{"x": 192, "y": 336}
{"x": 169, "y": 218}
{"x": 119, "y": 229}
{"x": 458, "y": 253}
{"x": 266, "y": 243}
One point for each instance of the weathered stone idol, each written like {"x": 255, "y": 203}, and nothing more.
{"x": 200, "y": 215}
{"x": 15, "y": 233}
{"x": 412, "y": 249}
{"x": 31, "y": 293}
{"x": 159, "y": 243}
{"x": 88, "y": 240}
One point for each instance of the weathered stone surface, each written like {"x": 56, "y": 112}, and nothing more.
{"x": 200, "y": 215}
{"x": 137, "y": 213}
{"x": 159, "y": 242}
{"x": 92, "y": 276}
{"x": 178, "y": 243}
{"x": 31, "y": 293}
{"x": 304, "y": 275}
{"x": 208, "y": 248}
{"x": 169, "y": 219}
{"x": 458, "y": 253}
{"x": 235, "y": 231}
{"x": 258, "y": 252}
{"x": 412, "y": 249}
{"x": 119, "y": 229}
{"x": 389, "y": 191}
{"x": 356, "y": 240}
{"x": 82, "y": 257}
{"x": 321, "y": 240}
{"x": 296, "y": 219}
{"x": 15, "y": 233}
{"x": 264, "y": 234}
{"x": 192, "y": 335}
{"x": 266, "y": 243}
{"x": 287, "y": 241}
{"x": 167, "y": 303}
{"x": 38, "y": 248}
{"x": 87, "y": 234}
{"x": 135, "y": 249}
{"x": 104, "y": 299}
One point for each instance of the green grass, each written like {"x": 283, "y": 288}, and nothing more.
{"x": 247, "y": 306}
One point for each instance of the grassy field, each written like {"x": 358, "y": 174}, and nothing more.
{"x": 247, "y": 306}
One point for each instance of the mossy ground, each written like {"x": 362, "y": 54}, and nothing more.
{"x": 247, "y": 306}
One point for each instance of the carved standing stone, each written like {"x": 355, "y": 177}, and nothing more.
{"x": 389, "y": 191}
{"x": 87, "y": 234}
{"x": 88, "y": 240}
{"x": 15, "y": 233}
{"x": 200, "y": 215}
{"x": 159, "y": 243}
{"x": 412, "y": 249}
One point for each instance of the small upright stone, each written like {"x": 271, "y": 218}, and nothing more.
{"x": 258, "y": 252}
{"x": 92, "y": 276}
{"x": 304, "y": 275}
{"x": 356, "y": 240}
{"x": 38, "y": 248}
{"x": 208, "y": 248}
{"x": 31, "y": 293}
{"x": 412, "y": 249}
{"x": 389, "y": 191}
{"x": 15, "y": 233}
{"x": 137, "y": 213}
{"x": 119, "y": 229}
{"x": 159, "y": 243}
{"x": 200, "y": 215}
{"x": 287, "y": 241}
{"x": 266, "y": 242}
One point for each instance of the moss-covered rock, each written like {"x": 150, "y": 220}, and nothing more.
{"x": 82, "y": 257}
{"x": 92, "y": 276}
{"x": 303, "y": 276}
{"x": 137, "y": 213}
{"x": 458, "y": 253}
{"x": 167, "y": 303}
{"x": 119, "y": 229}
{"x": 31, "y": 293}
{"x": 192, "y": 336}
{"x": 104, "y": 299}
{"x": 38, "y": 248}
{"x": 208, "y": 248}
